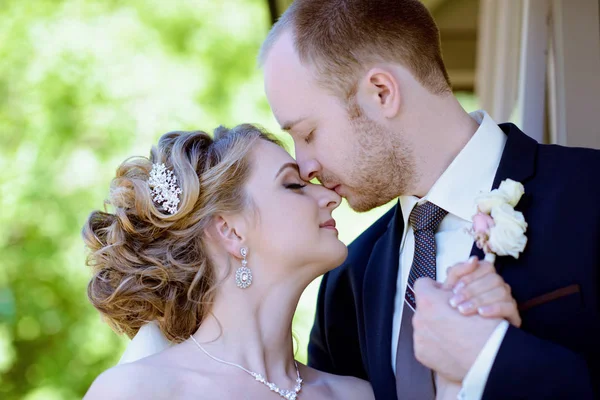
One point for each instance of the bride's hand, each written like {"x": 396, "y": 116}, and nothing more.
{"x": 478, "y": 289}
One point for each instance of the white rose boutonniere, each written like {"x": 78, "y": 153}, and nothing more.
{"x": 497, "y": 228}
{"x": 509, "y": 192}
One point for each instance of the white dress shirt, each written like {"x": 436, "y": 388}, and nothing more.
{"x": 471, "y": 173}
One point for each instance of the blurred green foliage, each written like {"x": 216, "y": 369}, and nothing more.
{"x": 83, "y": 85}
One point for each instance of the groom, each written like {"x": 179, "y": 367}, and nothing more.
{"x": 361, "y": 87}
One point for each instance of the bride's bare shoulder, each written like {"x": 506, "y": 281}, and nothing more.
{"x": 134, "y": 380}
{"x": 121, "y": 382}
{"x": 337, "y": 386}
{"x": 127, "y": 381}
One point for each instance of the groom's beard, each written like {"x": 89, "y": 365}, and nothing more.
{"x": 382, "y": 168}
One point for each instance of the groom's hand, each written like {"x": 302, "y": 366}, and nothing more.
{"x": 444, "y": 340}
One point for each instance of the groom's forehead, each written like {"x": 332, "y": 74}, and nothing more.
{"x": 290, "y": 86}
{"x": 283, "y": 50}
{"x": 289, "y": 99}
{"x": 283, "y": 70}
{"x": 286, "y": 77}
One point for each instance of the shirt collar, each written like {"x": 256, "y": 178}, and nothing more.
{"x": 470, "y": 174}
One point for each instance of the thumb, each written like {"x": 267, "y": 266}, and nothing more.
{"x": 426, "y": 291}
{"x": 425, "y": 285}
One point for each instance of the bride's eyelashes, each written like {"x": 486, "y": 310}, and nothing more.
{"x": 295, "y": 186}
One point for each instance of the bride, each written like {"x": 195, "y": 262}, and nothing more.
{"x": 204, "y": 256}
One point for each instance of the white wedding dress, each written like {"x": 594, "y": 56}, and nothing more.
{"x": 148, "y": 341}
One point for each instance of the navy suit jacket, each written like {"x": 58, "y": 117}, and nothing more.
{"x": 556, "y": 352}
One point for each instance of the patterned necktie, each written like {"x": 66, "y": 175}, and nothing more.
{"x": 414, "y": 381}
{"x": 425, "y": 219}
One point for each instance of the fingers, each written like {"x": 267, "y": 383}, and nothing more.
{"x": 488, "y": 296}
{"x": 506, "y": 309}
{"x": 484, "y": 268}
{"x": 459, "y": 270}
{"x": 471, "y": 306}
{"x": 479, "y": 287}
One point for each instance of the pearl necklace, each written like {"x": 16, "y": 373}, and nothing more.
{"x": 286, "y": 394}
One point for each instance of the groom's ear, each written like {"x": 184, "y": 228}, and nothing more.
{"x": 381, "y": 92}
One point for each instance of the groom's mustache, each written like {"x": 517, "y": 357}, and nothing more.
{"x": 327, "y": 180}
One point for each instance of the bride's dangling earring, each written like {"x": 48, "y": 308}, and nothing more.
{"x": 243, "y": 275}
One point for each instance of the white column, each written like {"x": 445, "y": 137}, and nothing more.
{"x": 498, "y": 52}
{"x": 574, "y": 68}
{"x": 530, "y": 111}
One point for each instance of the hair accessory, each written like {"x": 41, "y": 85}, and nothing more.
{"x": 164, "y": 187}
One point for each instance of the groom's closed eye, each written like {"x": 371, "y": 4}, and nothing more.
{"x": 308, "y": 138}
{"x": 290, "y": 125}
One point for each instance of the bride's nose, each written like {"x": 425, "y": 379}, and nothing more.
{"x": 327, "y": 198}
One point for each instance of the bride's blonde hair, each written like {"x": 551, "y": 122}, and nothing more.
{"x": 149, "y": 264}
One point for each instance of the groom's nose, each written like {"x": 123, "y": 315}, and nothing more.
{"x": 309, "y": 168}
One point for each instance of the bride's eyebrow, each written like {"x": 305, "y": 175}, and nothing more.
{"x": 287, "y": 165}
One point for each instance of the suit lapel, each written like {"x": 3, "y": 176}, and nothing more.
{"x": 517, "y": 163}
{"x": 379, "y": 292}
{"x": 381, "y": 274}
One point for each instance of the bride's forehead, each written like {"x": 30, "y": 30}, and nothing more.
{"x": 271, "y": 156}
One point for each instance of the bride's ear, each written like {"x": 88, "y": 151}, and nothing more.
{"x": 229, "y": 232}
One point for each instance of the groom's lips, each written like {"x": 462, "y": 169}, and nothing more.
{"x": 336, "y": 188}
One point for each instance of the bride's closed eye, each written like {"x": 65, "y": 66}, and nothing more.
{"x": 295, "y": 186}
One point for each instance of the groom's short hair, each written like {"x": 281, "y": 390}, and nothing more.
{"x": 343, "y": 37}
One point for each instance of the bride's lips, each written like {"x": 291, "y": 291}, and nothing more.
{"x": 329, "y": 224}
